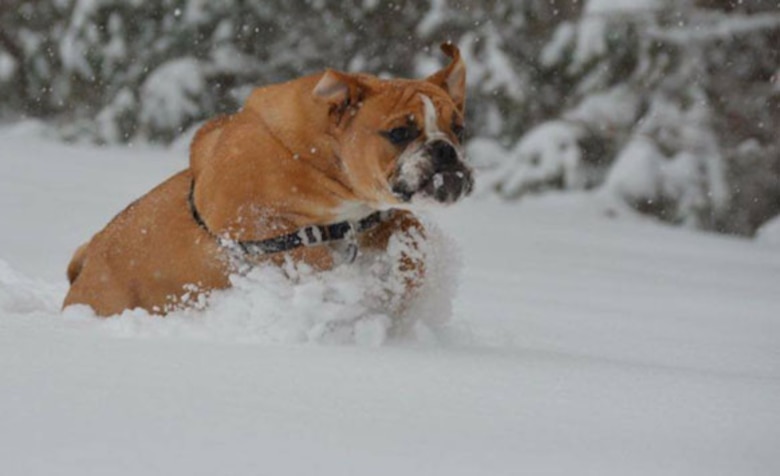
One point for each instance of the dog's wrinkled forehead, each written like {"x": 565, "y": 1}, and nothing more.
{"x": 432, "y": 115}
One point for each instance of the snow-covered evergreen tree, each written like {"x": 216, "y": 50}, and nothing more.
{"x": 669, "y": 110}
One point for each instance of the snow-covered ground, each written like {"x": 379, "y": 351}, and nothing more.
{"x": 578, "y": 344}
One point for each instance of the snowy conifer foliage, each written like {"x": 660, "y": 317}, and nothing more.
{"x": 669, "y": 107}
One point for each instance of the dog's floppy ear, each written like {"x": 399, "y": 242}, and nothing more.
{"x": 341, "y": 91}
{"x": 453, "y": 77}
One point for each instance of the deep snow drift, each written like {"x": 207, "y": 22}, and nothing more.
{"x": 576, "y": 344}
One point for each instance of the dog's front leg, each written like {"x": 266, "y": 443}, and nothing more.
{"x": 399, "y": 243}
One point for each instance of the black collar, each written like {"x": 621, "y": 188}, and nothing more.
{"x": 307, "y": 236}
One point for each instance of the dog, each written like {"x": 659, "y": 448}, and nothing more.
{"x": 313, "y": 170}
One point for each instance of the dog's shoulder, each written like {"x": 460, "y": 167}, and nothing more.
{"x": 206, "y": 140}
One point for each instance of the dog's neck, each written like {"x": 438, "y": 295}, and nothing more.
{"x": 312, "y": 235}
{"x": 288, "y": 109}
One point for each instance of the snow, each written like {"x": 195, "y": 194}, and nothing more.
{"x": 548, "y": 153}
{"x": 108, "y": 119}
{"x": 433, "y": 19}
{"x": 714, "y": 28}
{"x": 77, "y": 37}
{"x": 668, "y": 157}
{"x": 638, "y": 172}
{"x": 775, "y": 80}
{"x": 690, "y": 173}
{"x": 770, "y": 232}
{"x": 168, "y": 93}
{"x": 576, "y": 344}
{"x": 358, "y": 304}
{"x": 553, "y": 53}
{"x": 593, "y": 7}
{"x": 609, "y": 111}
{"x": 591, "y": 42}
{"x": 588, "y": 40}
{"x": 7, "y": 66}
{"x": 489, "y": 66}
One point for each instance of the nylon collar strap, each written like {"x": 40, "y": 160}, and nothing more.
{"x": 308, "y": 236}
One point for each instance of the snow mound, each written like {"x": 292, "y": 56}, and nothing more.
{"x": 769, "y": 232}
{"x": 20, "y": 295}
{"x": 358, "y": 303}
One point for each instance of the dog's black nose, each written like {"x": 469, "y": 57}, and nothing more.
{"x": 444, "y": 155}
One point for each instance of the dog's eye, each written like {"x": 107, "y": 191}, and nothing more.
{"x": 459, "y": 131}
{"x": 402, "y": 135}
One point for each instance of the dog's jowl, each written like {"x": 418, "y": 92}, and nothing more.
{"x": 308, "y": 170}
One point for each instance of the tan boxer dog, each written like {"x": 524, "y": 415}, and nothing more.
{"x": 309, "y": 170}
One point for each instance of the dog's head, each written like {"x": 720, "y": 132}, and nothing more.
{"x": 400, "y": 141}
